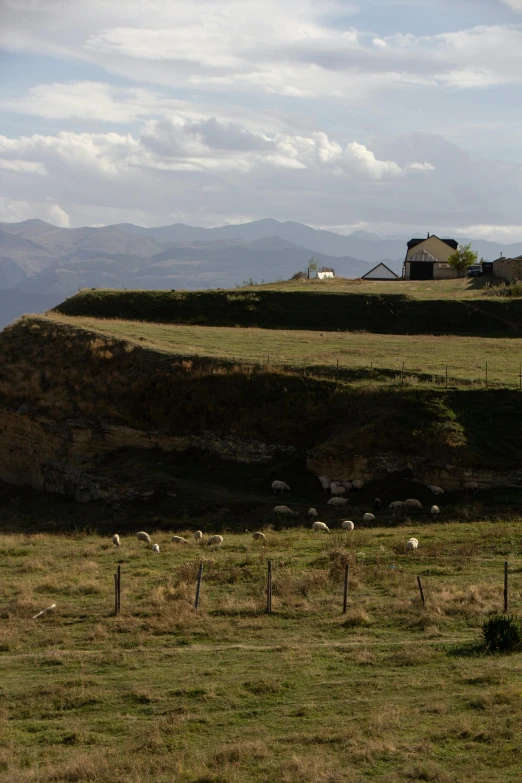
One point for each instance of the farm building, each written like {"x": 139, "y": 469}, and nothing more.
{"x": 325, "y": 272}
{"x": 380, "y": 272}
{"x": 508, "y": 269}
{"x": 427, "y": 259}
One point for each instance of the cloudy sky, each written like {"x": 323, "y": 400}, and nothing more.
{"x": 395, "y": 116}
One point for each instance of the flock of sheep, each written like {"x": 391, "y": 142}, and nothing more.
{"x": 337, "y": 490}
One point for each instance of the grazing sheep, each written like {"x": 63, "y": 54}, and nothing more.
{"x": 155, "y": 548}
{"x": 411, "y": 544}
{"x": 358, "y": 484}
{"x": 397, "y": 504}
{"x": 347, "y": 525}
{"x": 337, "y": 490}
{"x": 347, "y": 485}
{"x": 312, "y": 513}
{"x": 280, "y": 486}
{"x": 325, "y": 482}
{"x": 283, "y": 511}
{"x": 411, "y": 503}
{"x": 471, "y": 486}
{"x": 435, "y": 511}
{"x": 368, "y": 518}
{"x": 215, "y": 541}
{"x": 337, "y": 502}
{"x": 142, "y": 536}
{"x": 321, "y": 527}
{"x": 198, "y": 535}
{"x": 377, "y": 503}
{"x": 435, "y": 490}
{"x": 259, "y": 537}
{"x": 116, "y": 540}
{"x": 179, "y": 540}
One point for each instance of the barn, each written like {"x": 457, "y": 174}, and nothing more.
{"x": 380, "y": 272}
{"x": 427, "y": 259}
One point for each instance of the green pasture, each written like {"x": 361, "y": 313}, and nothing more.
{"x": 360, "y": 355}
{"x": 391, "y": 691}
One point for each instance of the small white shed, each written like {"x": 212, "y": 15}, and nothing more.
{"x": 323, "y": 275}
{"x": 380, "y": 272}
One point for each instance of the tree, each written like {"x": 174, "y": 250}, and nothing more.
{"x": 312, "y": 266}
{"x": 462, "y": 258}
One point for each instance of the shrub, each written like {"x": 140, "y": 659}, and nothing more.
{"x": 502, "y": 633}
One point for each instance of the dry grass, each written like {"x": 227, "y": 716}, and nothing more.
{"x": 307, "y": 694}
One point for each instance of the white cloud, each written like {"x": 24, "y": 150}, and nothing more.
{"x": 275, "y": 47}
{"x": 59, "y": 216}
{"x": 16, "y": 210}
{"x": 23, "y": 166}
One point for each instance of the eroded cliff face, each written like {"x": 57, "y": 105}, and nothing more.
{"x": 64, "y": 457}
{"x": 61, "y": 457}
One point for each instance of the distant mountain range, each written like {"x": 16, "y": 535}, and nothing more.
{"x": 51, "y": 263}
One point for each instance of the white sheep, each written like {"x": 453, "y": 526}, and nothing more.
{"x": 347, "y": 525}
{"x": 325, "y": 482}
{"x": 283, "y": 511}
{"x": 347, "y": 485}
{"x": 358, "y": 484}
{"x": 320, "y": 526}
{"x": 335, "y": 489}
{"x": 179, "y": 540}
{"x": 155, "y": 548}
{"x": 411, "y": 544}
{"x": 337, "y": 502}
{"x": 116, "y": 540}
{"x": 471, "y": 486}
{"x": 198, "y": 535}
{"x": 259, "y": 537}
{"x": 435, "y": 511}
{"x": 435, "y": 490}
{"x": 215, "y": 541}
{"x": 368, "y": 518}
{"x": 280, "y": 486}
{"x": 312, "y": 513}
{"x": 411, "y": 503}
{"x": 397, "y": 504}
{"x": 142, "y": 536}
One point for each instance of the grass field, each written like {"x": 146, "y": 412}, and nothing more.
{"x": 392, "y": 691}
{"x": 444, "y": 308}
{"x": 424, "y": 356}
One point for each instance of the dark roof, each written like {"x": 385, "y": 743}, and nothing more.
{"x": 451, "y": 242}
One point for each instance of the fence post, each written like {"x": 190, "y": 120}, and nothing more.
{"x": 506, "y": 596}
{"x": 115, "y": 594}
{"x": 402, "y": 375}
{"x": 268, "y": 365}
{"x": 198, "y": 588}
{"x": 371, "y": 373}
{"x": 345, "y": 600}
{"x": 446, "y": 376}
{"x": 269, "y": 589}
{"x": 337, "y": 371}
{"x": 486, "y": 375}
{"x": 421, "y": 591}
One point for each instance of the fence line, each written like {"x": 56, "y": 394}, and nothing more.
{"x": 447, "y": 376}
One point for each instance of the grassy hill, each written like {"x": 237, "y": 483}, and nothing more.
{"x": 392, "y": 691}
{"x": 456, "y": 307}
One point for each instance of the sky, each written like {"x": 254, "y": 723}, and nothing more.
{"x": 393, "y": 116}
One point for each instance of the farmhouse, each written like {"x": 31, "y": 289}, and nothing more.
{"x": 508, "y": 269}
{"x": 427, "y": 259}
{"x": 380, "y": 272}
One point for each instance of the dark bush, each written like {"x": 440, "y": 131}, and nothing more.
{"x": 502, "y": 633}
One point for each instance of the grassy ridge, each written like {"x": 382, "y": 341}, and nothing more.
{"x": 289, "y": 308}
{"x": 360, "y": 356}
{"x": 390, "y": 692}
{"x": 63, "y": 371}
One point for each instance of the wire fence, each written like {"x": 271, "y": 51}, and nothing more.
{"x": 484, "y": 375}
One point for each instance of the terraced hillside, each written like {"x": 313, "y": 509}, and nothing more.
{"x": 446, "y": 307}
